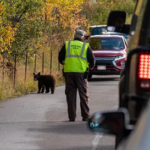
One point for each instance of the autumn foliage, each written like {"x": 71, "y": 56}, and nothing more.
{"x": 7, "y": 32}
{"x": 30, "y": 25}
{"x": 26, "y": 26}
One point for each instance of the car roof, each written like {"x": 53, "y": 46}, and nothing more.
{"x": 115, "y": 33}
{"x": 106, "y": 36}
{"x": 98, "y": 26}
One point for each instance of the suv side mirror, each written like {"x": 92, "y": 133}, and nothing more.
{"x": 113, "y": 122}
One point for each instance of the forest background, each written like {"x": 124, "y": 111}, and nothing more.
{"x": 29, "y": 28}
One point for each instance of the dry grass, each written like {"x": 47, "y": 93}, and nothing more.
{"x": 23, "y": 86}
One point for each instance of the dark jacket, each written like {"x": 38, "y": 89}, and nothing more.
{"x": 90, "y": 56}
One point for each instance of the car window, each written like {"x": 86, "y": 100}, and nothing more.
{"x": 148, "y": 29}
{"x": 136, "y": 28}
{"x": 135, "y": 16}
{"x": 149, "y": 35}
{"x": 98, "y": 30}
{"x": 143, "y": 20}
{"x": 106, "y": 44}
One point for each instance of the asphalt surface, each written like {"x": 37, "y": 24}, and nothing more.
{"x": 40, "y": 121}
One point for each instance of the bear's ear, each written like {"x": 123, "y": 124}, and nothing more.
{"x": 39, "y": 73}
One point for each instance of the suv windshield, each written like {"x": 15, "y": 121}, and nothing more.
{"x": 106, "y": 44}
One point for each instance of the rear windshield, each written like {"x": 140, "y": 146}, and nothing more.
{"x": 106, "y": 44}
{"x": 98, "y": 30}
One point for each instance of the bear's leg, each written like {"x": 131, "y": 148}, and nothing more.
{"x": 43, "y": 87}
{"x": 47, "y": 89}
{"x": 39, "y": 87}
{"x": 52, "y": 89}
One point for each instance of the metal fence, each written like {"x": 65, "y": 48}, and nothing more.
{"x": 18, "y": 70}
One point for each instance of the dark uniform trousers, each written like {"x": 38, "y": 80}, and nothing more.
{"x": 74, "y": 82}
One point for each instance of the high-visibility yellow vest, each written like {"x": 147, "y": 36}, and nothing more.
{"x": 76, "y": 56}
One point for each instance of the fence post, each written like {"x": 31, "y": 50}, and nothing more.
{"x": 58, "y": 62}
{"x": 35, "y": 65}
{"x": 15, "y": 71}
{"x": 51, "y": 62}
{"x": 26, "y": 66}
{"x": 43, "y": 62}
{"x": 3, "y": 68}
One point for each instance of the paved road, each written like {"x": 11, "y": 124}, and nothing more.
{"x": 39, "y": 121}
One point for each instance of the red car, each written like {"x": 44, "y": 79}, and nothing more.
{"x": 110, "y": 52}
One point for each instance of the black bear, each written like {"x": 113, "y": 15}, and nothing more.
{"x": 47, "y": 81}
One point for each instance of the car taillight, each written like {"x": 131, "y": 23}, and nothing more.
{"x": 144, "y": 66}
{"x": 144, "y": 71}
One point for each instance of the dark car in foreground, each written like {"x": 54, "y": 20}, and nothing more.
{"x": 117, "y": 123}
{"x": 134, "y": 86}
{"x": 110, "y": 52}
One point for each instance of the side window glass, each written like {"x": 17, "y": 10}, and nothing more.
{"x": 149, "y": 32}
{"x": 135, "y": 16}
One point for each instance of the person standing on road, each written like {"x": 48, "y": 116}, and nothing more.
{"x": 77, "y": 57}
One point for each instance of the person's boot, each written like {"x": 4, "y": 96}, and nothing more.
{"x": 72, "y": 120}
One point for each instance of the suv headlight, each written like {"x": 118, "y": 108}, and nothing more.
{"x": 123, "y": 64}
{"x": 120, "y": 57}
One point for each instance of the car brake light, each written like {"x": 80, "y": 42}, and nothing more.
{"x": 144, "y": 66}
{"x": 144, "y": 71}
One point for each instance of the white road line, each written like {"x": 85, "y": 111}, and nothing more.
{"x": 98, "y": 136}
{"x": 96, "y": 140}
